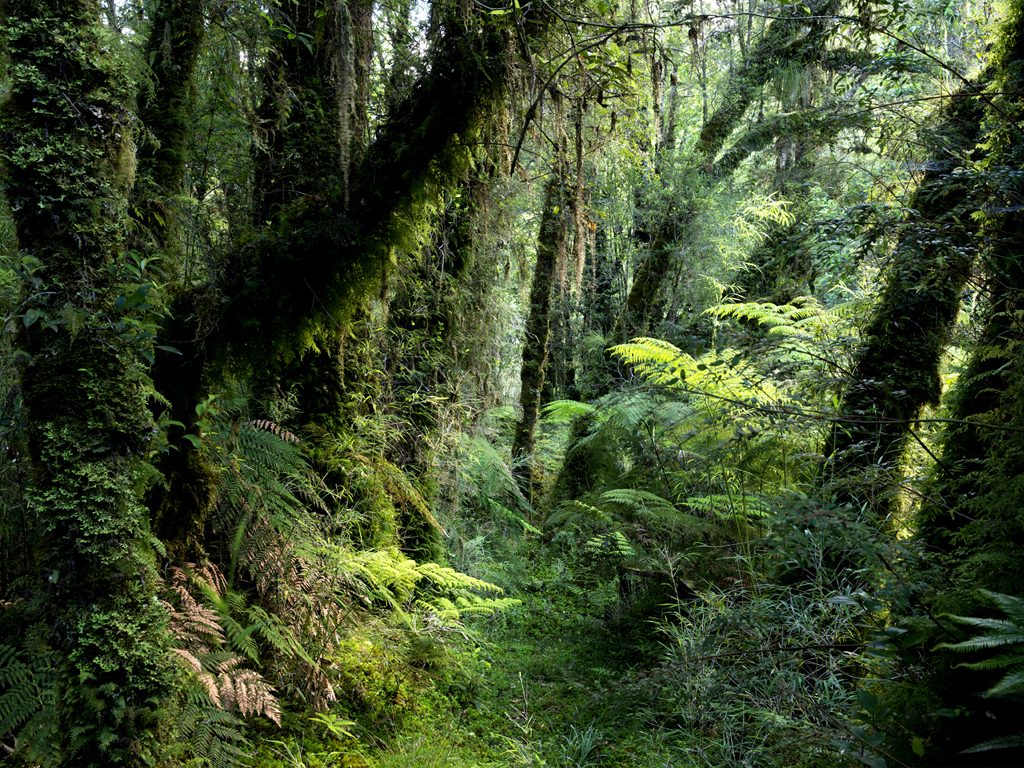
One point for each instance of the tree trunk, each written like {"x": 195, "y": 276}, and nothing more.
{"x": 551, "y": 245}
{"x": 65, "y": 142}
{"x": 971, "y": 520}
{"x": 897, "y": 369}
{"x": 167, "y": 111}
{"x": 974, "y": 513}
{"x": 790, "y": 38}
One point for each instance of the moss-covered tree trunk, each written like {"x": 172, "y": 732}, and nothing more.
{"x": 551, "y": 245}
{"x": 897, "y": 368}
{"x": 66, "y": 148}
{"x": 974, "y": 511}
{"x": 971, "y": 520}
{"x": 799, "y": 37}
{"x": 167, "y": 110}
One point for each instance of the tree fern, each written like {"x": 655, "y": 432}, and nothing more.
{"x": 638, "y": 501}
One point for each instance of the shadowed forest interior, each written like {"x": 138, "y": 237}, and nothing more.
{"x": 485, "y": 383}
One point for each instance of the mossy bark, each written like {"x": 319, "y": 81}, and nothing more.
{"x": 551, "y": 245}
{"x": 796, "y": 37}
{"x": 973, "y": 516}
{"x": 167, "y": 111}
{"x": 971, "y": 521}
{"x": 64, "y": 140}
{"x": 325, "y": 248}
{"x": 897, "y": 368}
{"x": 306, "y": 115}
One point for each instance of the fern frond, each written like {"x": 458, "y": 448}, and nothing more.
{"x": 573, "y": 511}
{"x": 500, "y": 512}
{"x": 613, "y": 544}
{"x": 727, "y": 506}
{"x": 449, "y": 580}
{"x": 1016, "y": 741}
{"x": 656, "y": 360}
{"x": 1005, "y": 633}
{"x": 562, "y": 411}
{"x": 275, "y": 429}
{"x": 638, "y": 500}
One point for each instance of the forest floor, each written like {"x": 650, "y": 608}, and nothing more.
{"x": 559, "y": 683}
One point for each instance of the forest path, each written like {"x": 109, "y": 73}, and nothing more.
{"x": 566, "y": 679}
{"x": 559, "y": 686}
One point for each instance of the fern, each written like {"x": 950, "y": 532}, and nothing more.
{"x": 578, "y": 515}
{"x": 614, "y": 544}
{"x": 211, "y": 734}
{"x": 1005, "y": 634}
{"x": 563, "y": 411}
{"x": 214, "y": 645}
{"x": 655, "y": 360}
{"x": 728, "y": 505}
{"x": 28, "y": 702}
{"x": 638, "y": 501}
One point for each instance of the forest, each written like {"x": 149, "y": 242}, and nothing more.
{"x": 526, "y": 383}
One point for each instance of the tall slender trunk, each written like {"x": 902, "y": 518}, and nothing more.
{"x": 551, "y": 245}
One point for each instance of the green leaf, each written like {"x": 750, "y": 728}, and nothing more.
{"x": 917, "y": 745}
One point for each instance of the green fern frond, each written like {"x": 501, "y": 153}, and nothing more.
{"x": 1015, "y": 741}
{"x": 638, "y": 500}
{"x": 727, "y": 506}
{"x": 613, "y": 544}
{"x": 500, "y": 512}
{"x": 656, "y": 360}
{"x": 1012, "y": 684}
{"x": 1005, "y": 633}
{"x": 28, "y": 704}
{"x": 563, "y": 411}
{"x": 449, "y": 580}
{"x": 577, "y": 514}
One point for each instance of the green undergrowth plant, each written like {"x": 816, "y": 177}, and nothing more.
{"x": 293, "y": 609}
{"x": 759, "y": 678}
{"x": 670, "y": 480}
{"x": 1001, "y": 642}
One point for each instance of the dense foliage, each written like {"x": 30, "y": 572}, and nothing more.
{"x": 534, "y": 384}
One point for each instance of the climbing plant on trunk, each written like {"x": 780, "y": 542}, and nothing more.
{"x": 88, "y": 318}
